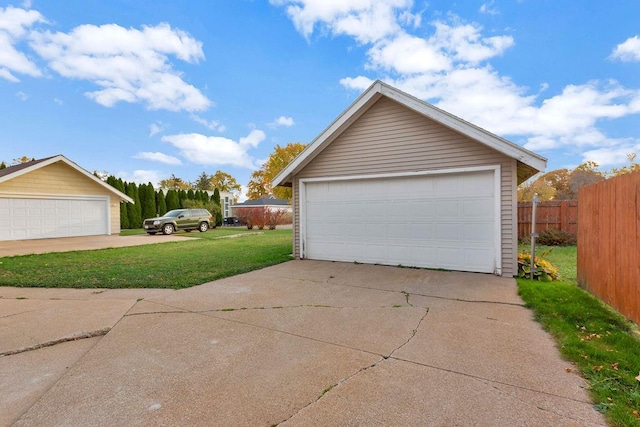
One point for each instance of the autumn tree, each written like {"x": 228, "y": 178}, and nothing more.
{"x": 538, "y": 186}
{"x": 560, "y": 184}
{"x": 23, "y": 159}
{"x": 633, "y": 167}
{"x": 584, "y": 174}
{"x": 225, "y": 182}
{"x": 174, "y": 183}
{"x": 257, "y": 186}
{"x": 260, "y": 183}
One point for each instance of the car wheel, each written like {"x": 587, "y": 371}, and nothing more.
{"x": 168, "y": 229}
{"x": 203, "y": 227}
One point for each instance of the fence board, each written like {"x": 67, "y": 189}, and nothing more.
{"x": 558, "y": 214}
{"x": 609, "y": 242}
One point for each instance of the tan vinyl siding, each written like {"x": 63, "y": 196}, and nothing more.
{"x": 389, "y": 138}
{"x": 62, "y": 180}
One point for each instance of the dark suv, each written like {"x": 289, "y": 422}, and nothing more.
{"x": 180, "y": 219}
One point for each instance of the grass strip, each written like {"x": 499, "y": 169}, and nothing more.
{"x": 602, "y": 344}
{"x": 166, "y": 265}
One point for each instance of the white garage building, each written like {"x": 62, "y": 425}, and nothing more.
{"x": 54, "y": 197}
{"x": 396, "y": 181}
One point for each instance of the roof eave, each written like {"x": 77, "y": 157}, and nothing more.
{"x": 61, "y": 158}
{"x": 375, "y": 92}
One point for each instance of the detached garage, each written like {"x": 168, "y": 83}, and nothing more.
{"x": 54, "y": 197}
{"x": 397, "y": 181}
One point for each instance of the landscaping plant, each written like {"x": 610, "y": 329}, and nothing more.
{"x": 544, "y": 270}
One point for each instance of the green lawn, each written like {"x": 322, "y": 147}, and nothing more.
{"x": 165, "y": 265}
{"x": 603, "y": 345}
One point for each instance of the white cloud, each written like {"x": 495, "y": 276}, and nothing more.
{"x": 357, "y": 83}
{"x": 210, "y": 124}
{"x": 407, "y": 54}
{"x": 365, "y": 20}
{"x": 158, "y": 157}
{"x": 22, "y": 96}
{"x": 489, "y": 8}
{"x": 14, "y": 25}
{"x": 613, "y": 155}
{"x": 130, "y": 65}
{"x": 215, "y": 150}
{"x": 58, "y": 101}
{"x": 282, "y": 121}
{"x": 156, "y": 128}
{"x": 449, "y": 66}
{"x": 628, "y": 51}
{"x": 141, "y": 176}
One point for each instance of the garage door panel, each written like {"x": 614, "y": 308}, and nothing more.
{"x": 437, "y": 221}
{"x": 37, "y": 218}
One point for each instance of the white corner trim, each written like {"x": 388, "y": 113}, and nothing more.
{"x": 497, "y": 190}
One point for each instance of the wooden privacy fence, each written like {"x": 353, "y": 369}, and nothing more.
{"x": 609, "y": 242}
{"x": 559, "y": 214}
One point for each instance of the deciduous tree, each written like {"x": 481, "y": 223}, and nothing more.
{"x": 260, "y": 183}
{"x": 632, "y": 167}
{"x": 174, "y": 183}
{"x": 225, "y": 182}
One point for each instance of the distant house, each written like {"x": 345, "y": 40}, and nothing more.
{"x": 54, "y": 197}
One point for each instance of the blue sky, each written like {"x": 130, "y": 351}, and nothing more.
{"x": 145, "y": 89}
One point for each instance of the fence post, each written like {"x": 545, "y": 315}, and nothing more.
{"x": 534, "y": 235}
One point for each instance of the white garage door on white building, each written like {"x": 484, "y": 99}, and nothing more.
{"x": 445, "y": 220}
{"x": 40, "y": 218}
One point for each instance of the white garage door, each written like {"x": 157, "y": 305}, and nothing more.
{"x": 25, "y": 218}
{"x": 444, "y": 221}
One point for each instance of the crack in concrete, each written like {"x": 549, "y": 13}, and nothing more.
{"x": 491, "y": 383}
{"x": 18, "y": 314}
{"x": 232, "y": 309}
{"x": 486, "y": 380}
{"x": 342, "y": 381}
{"x": 75, "y": 337}
{"x": 415, "y": 331}
{"x": 435, "y": 296}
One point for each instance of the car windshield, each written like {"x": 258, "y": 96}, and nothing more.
{"x": 174, "y": 213}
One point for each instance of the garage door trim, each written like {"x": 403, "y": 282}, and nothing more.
{"x": 100, "y": 198}
{"x": 496, "y": 191}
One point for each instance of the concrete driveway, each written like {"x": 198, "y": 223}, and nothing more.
{"x": 304, "y": 343}
{"x": 65, "y": 244}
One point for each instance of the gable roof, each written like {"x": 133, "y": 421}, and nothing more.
{"x": 23, "y": 168}
{"x": 529, "y": 163}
